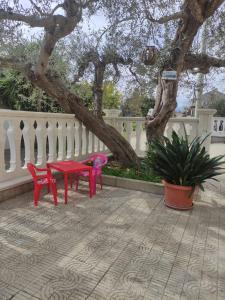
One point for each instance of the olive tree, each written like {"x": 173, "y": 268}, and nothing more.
{"x": 56, "y": 20}
{"x": 172, "y": 27}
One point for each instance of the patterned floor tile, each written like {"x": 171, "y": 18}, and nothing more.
{"x": 120, "y": 245}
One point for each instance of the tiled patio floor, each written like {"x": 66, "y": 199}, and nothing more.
{"x": 119, "y": 245}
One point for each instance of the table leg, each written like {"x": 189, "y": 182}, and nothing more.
{"x": 65, "y": 187}
{"x": 90, "y": 183}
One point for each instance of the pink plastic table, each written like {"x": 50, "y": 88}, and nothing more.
{"x": 69, "y": 167}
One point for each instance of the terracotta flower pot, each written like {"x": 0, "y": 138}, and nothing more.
{"x": 178, "y": 196}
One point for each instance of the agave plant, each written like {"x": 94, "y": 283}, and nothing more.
{"x": 185, "y": 163}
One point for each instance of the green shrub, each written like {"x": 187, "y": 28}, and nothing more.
{"x": 182, "y": 163}
{"x": 131, "y": 173}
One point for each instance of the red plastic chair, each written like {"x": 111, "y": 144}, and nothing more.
{"x": 98, "y": 160}
{"x": 41, "y": 180}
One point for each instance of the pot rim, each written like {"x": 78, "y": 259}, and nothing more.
{"x": 177, "y": 187}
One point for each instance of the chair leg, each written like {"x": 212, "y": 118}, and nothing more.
{"x": 36, "y": 196}
{"x": 54, "y": 193}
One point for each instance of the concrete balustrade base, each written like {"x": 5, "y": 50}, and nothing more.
{"x": 133, "y": 184}
{"x": 19, "y": 186}
{"x": 16, "y": 187}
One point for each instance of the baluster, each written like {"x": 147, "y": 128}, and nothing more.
{"x": 51, "y": 133}
{"x": 14, "y": 144}
{"x": 133, "y": 134}
{"x": 93, "y": 143}
{"x": 76, "y": 138}
{"x": 169, "y": 129}
{"x": 31, "y": 136}
{"x": 129, "y": 130}
{"x": 87, "y": 141}
{"x": 179, "y": 128}
{"x": 104, "y": 147}
{"x": 144, "y": 142}
{"x": 138, "y": 137}
{"x": 41, "y": 142}
{"x": 70, "y": 141}
{"x": 188, "y": 128}
{"x": 120, "y": 127}
{"x": 61, "y": 140}
{"x": 98, "y": 144}
{"x": 101, "y": 146}
{"x": 80, "y": 139}
{"x": 27, "y": 142}
{"x": 83, "y": 140}
{"x": 2, "y": 148}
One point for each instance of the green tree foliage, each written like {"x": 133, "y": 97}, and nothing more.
{"x": 84, "y": 91}
{"x": 138, "y": 104}
{"x": 18, "y": 94}
{"x": 111, "y": 96}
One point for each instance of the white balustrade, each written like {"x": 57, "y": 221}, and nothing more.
{"x": 133, "y": 129}
{"x": 46, "y": 137}
{"x": 40, "y": 138}
{"x": 182, "y": 126}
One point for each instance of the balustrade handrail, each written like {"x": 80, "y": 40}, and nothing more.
{"x": 180, "y": 119}
{"x": 33, "y": 114}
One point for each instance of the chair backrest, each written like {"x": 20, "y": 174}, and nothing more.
{"x": 99, "y": 160}
{"x": 32, "y": 169}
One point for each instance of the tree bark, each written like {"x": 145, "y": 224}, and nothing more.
{"x": 117, "y": 144}
{"x": 164, "y": 109}
{"x": 193, "y": 16}
{"x": 98, "y": 88}
{"x": 167, "y": 89}
{"x": 200, "y": 77}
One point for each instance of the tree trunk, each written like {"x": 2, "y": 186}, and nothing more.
{"x": 164, "y": 109}
{"x": 117, "y": 144}
{"x": 195, "y": 13}
{"x": 98, "y": 88}
{"x": 97, "y": 96}
{"x": 200, "y": 77}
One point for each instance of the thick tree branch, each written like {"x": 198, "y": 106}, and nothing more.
{"x": 87, "y": 58}
{"x": 56, "y": 27}
{"x": 196, "y": 10}
{"x": 165, "y": 19}
{"x": 100, "y": 62}
{"x": 33, "y": 20}
{"x": 55, "y": 33}
{"x": 202, "y": 62}
{"x": 213, "y": 6}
